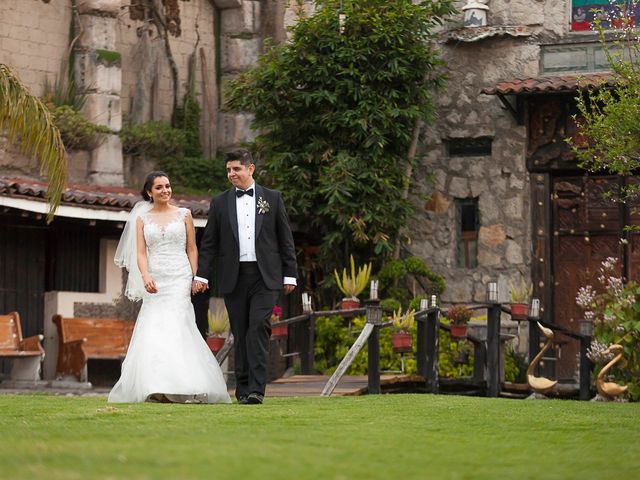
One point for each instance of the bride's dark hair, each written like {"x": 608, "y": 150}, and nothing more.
{"x": 148, "y": 183}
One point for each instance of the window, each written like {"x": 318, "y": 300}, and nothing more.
{"x": 468, "y": 224}
{"x": 469, "y": 147}
{"x": 611, "y": 13}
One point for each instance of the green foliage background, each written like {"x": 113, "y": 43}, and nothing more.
{"x": 337, "y": 109}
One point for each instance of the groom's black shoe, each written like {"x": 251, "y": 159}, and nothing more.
{"x": 243, "y": 400}
{"x": 255, "y": 399}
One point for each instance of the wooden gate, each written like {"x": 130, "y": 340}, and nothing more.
{"x": 588, "y": 227}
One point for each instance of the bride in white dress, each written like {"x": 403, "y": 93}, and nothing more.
{"x": 167, "y": 360}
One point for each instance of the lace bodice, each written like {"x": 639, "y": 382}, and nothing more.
{"x": 165, "y": 232}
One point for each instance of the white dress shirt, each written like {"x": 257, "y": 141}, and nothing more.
{"x": 246, "y": 214}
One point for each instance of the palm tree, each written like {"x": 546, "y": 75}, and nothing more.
{"x": 29, "y": 124}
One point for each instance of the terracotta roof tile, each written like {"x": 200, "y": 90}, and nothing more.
{"x": 94, "y": 196}
{"x": 550, "y": 84}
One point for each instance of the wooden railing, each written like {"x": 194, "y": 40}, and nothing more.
{"x": 487, "y": 352}
{"x": 486, "y": 367}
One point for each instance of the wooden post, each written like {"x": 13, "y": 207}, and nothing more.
{"x": 493, "y": 350}
{"x": 421, "y": 349}
{"x": 585, "y": 369}
{"x": 479, "y": 361}
{"x": 307, "y": 356}
{"x": 374, "y": 317}
{"x": 431, "y": 335}
{"x": 534, "y": 343}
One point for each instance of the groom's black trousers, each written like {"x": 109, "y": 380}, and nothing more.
{"x": 250, "y": 306}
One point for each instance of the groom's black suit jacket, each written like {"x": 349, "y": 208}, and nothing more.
{"x": 219, "y": 248}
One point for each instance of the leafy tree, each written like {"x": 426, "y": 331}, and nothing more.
{"x": 609, "y": 112}
{"x": 29, "y": 123}
{"x": 336, "y": 107}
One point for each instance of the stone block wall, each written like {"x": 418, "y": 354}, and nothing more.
{"x": 34, "y": 38}
{"x": 195, "y": 12}
{"x": 499, "y": 181}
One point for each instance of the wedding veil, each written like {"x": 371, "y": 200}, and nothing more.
{"x": 127, "y": 252}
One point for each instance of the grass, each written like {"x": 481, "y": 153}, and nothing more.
{"x": 370, "y": 437}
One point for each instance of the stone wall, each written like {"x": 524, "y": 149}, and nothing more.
{"x": 500, "y": 180}
{"x": 196, "y": 19}
{"x": 34, "y": 38}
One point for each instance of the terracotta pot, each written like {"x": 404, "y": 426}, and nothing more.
{"x": 349, "y": 303}
{"x": 279, "y": 331}
{"x": 519, "y": 311}
{"x": 215, "y": 343}
{"x": 458, "y": 331}
{"x": 401, "y": 342}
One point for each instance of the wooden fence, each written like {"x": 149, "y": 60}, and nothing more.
{"x": 486, "y": 368}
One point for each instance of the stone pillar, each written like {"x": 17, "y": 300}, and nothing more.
{"x": 99, "y": 77}
{"x": 241, "y": 45}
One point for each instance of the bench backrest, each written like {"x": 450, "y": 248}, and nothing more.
{"x": 102, "y": 334}
{"x": 10, "y": 332}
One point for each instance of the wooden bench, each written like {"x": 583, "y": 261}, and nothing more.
{"x": 82, "y": 339}
{"x": 26, "y": 353}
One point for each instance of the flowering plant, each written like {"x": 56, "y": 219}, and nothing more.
{"x": 459, "y": 314}
{"x": 614, "y": 309}
{"x": 276, "y": 314}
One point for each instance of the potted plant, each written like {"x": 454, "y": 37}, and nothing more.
{"x": 352, "y": 285}
{"x": 520, "y": 300}
{"x": 459, "y": 315}
{"x": 401, "y": 337}
{"x": 278, "y": 331}
{"x": 218, "y": 327}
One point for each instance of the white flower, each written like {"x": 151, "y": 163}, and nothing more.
{"x": 263, "y": 206}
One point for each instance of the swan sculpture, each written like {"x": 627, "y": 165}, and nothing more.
{"x": 610, "y": 390}
{"x": 541, "y": 384}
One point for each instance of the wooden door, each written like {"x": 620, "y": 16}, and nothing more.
{"x": 588, "y": 227}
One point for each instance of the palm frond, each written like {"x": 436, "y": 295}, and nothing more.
{"x": 29, "y": 123}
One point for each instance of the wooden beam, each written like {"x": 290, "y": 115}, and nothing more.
{"x": 348, "y": 359}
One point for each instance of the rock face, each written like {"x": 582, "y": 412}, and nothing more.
{"x": 496, "y": 178}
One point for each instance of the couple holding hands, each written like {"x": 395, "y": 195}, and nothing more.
{"x": 248, "y": 244}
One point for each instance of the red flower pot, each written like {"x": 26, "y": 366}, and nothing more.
{"x": 519, "y": 311}
{"x": 279, "y": 331}
{"x": 215, "y": 343}
{"x": 401, "y": 342}
{"x": 349, "y": 303}
{"x": 458, "y": 331}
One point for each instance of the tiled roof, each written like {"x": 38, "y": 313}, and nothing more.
{"x": 94, "y": 196}
{"x": 475, "y": 34}
{"x": 561, "y": 83}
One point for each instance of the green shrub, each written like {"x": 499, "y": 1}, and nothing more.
{"x": 77, "y": 132}
{"x": 154, "y": 139}
{"x": 196, "y": 175}
{"x": 335, "y": 335}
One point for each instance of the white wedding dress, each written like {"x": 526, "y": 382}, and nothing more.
{"x": 167, "y": 358}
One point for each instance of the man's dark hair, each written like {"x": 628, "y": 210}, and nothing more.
{"x": 242, "y": 155}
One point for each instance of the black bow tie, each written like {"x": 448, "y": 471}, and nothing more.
{"x": 240, "y": 193}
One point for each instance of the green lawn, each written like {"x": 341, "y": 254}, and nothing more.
{"x": 385, "y": 436}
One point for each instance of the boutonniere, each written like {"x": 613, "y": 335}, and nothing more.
{"x": 263, "y": 206}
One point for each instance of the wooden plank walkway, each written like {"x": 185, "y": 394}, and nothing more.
{"x": 312, "y": 385}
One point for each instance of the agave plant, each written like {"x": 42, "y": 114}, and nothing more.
{"x": 218, "y": 322}
{"x": 403, "y": 323}
{"x": 351, "y": 285}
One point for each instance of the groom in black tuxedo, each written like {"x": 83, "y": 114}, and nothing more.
{"x": 249, "y": 241}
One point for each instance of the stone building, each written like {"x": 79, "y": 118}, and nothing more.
{"x": 506, "y": 204}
